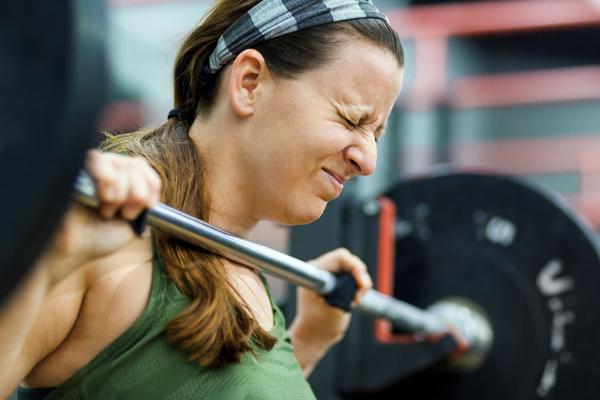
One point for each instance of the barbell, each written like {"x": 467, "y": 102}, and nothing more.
{"x": 470, "y": 327}
{"x": 500, "y": 270}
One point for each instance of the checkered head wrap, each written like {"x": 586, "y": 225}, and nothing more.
{"x": 272, "y": 18}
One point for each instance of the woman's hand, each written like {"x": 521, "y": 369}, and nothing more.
{"x": 125, "y": 187}
{"x": 318, "y": 325}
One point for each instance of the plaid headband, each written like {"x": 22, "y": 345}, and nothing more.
{"x": 272, "y": 18}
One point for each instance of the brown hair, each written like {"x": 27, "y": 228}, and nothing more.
{"x": 217, "y": 327}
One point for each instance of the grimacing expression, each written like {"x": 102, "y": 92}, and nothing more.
{"x": 320, "y": 129}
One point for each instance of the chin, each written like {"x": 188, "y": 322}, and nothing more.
{"x": 306, "y": 215}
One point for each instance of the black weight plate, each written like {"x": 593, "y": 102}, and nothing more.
{"x": 526, "y": 260}
{"x": 53, "y": 84}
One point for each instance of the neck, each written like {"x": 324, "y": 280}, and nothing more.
{"x": 231, "y": 207}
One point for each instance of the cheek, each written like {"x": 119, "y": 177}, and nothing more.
{"x": 329, "y": 139}
{"x": 296, "y": 149}
{"x": 277, "y": 173}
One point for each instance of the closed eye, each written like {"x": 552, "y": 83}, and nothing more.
{"x": 355, "y": 125}
{"x": 351, "y": 123}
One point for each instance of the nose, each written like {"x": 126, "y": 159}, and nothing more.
{"x": 362, "y": 157}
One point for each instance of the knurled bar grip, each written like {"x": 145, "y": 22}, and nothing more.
{"x": 195, "y": 231}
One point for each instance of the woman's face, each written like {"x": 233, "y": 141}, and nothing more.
{"x": 315, "y": 132}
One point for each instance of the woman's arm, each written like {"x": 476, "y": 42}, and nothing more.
{"x": 309, "y": 347}
{"x": 16, "y": 317}
{"x": 22, "y": 347}
{"x": 317, "y": 325}
{"x": 125, "y": 187}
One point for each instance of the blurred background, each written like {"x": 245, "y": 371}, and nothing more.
{"x": 507, "y": 85}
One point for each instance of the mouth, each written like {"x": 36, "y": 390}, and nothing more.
{"x": 336, "y": 180}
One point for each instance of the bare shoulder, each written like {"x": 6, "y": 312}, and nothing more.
{"x": 88, "y": 311}
{"x": 252, "y": 291}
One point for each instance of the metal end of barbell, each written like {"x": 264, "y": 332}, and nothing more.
{"x": 471, "y": 324}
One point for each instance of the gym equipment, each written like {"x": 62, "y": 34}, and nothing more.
{"x": 507, "y": 249}
{"x": 53, "y": 86}
{"x": 495, "y": 260}
{"x": 337, "y": 291}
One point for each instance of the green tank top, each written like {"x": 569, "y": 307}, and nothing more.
{"x": 141, "y": 364}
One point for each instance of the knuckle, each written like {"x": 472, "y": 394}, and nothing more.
{"x": 112, "y": 159}
{"x": 92, "y": 155}
{"x": 140, "y": 161}
{"x": 138, "y": 193}
{"x": 156, "y": 181}
{"x": 343, "y": 251}
{"x": 117, "y": 194}
{"x": 106, "y": 190}
{"x": 98, "y": 169}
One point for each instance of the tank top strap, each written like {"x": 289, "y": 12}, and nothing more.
{"x": 278, "y": 317}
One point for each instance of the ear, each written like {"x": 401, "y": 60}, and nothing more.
{"x": 248, "y": 74}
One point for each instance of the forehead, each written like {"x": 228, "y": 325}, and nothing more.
{"x": 361, "y": 75}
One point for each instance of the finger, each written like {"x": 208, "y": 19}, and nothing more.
{"x": 353, "y": 264}
{"x": 358, "y": 269}
{"x": 154, "y": 184}
{"x": 126, "y": 183}
{"x": 152, "y": 181}
{"x": 103, "y": 172}
{"x": 112, "y": 192}
{"x": 348, "y": 262}
{"x": 332, "y": 260}
{"x": 91, "y": 159}
{"x": 151, "y": 177}
{"x": 138, "y": 197}
{"x": 341, "y": 259}
{"x": 103, "y": 168}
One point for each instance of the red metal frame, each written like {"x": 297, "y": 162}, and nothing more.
{"x": 528, "y": 87}
{"x": 385, "y": 265}
{"x": 527, "y": 156}
{"x": 385, "y": 282}
{"x": 121, "y": 3}
{"x": 386, "y": 246}
{"x": 430, "y": 27}
{"x": 492, "y": 17}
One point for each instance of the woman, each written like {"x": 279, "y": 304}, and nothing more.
{"x": 277, "y": 106}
